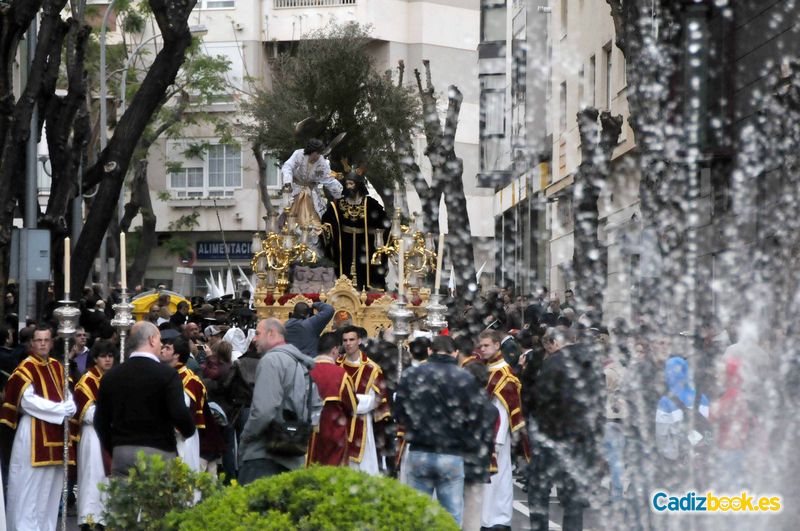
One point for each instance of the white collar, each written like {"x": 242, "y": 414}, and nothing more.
{"x": 498, "y": 364}
{"x": 148, "y": 355}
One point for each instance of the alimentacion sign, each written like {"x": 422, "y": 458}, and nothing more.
{"x": 215, "y": 250}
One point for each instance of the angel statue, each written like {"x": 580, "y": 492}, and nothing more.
{"x": 303, "y": 172}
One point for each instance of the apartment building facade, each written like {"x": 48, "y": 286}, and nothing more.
{"x": 555, "y": 58}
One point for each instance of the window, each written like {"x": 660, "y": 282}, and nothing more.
{"x": 564, "y": 212}
{"x": 493, "y": 20}
{"x": 233, "y": 53}
{"x": 493, "y": 111}
{"x": 581, "y": 83}
{"x": 564, "y": 16}
{"x": 187, "y": 182}
{"x": 623, "y": 75}
{"x": 273, "y": 172}
{"x": 519, "y": 71}
{"x": 607, "y": 50}
{"x": 562, "y": 105}
{"x": 493, "y": 105}
{"x": 218, "y": 174}
{"x": 591, "y": 80}
{"x": 216, "y": 4}
{"x": 224, "y": 169}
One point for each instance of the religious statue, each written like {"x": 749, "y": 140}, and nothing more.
{"x": 305, "y": 170}
{"x": 350, "y": 226}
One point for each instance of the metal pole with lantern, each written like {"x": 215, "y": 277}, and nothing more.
{"x": 68, "y": 315}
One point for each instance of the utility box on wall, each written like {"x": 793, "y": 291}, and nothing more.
{"x": 35, "y": 244}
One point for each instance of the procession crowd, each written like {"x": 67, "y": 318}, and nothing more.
{"x": 532, "y": 388}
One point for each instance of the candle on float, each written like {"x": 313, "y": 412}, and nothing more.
{"x": 439, "y": 259}
{"x": 123, "y": 262}
{"x": 400, "y": 268}
{"x": 66, "y": 266}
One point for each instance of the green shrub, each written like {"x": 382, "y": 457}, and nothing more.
{"x": 318, "y": 498}
{"x": 153, "y": 488}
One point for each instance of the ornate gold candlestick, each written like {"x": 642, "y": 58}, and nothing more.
{"x": 279, "y": 251}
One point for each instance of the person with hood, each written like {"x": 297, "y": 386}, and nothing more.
{"x": 304, "y": 327}
{"x": 239, "y": 342}
{"x": 683, "y": 431}
{"x": 281, "y": 388}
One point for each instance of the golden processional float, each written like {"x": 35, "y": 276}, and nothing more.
{"x": 413, "y": 254}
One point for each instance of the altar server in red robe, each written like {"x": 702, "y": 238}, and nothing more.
{"x": 35, "y": 406}
{"x": 373, "y": 405}
{"x": 504, "y": 392}
{"x": 329, "y": 445}
{"x": 91, "y": 462}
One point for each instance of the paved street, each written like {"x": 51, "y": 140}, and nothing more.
{"x": 521, "y": 513}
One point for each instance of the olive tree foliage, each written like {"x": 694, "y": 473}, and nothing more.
{"x": 57, "y": 84}
{"x": 331, "y": 78}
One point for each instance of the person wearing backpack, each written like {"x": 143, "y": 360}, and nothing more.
{"x": 683, "y": 430}
{"x": 286, "y": 405}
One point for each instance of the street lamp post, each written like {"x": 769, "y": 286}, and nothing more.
{"x": 103, "y": 126}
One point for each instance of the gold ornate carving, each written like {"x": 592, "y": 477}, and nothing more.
{"x": 344, "y": 298}
{"x": 353, "y": 211}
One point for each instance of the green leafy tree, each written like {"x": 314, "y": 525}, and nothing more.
{"x": 331, "y": 78}
{"x": 57, "y": 85}
{"x": 200, "y": 82}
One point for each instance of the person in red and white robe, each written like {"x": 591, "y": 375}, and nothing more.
{"x": 504, "y": 391}
{"x": 91, "y": 463}
{"x": 330, "y": 443}
{"x": 373, "y": 405}
{"x": 36, "y": 407}
{"x": 195, "y": 397}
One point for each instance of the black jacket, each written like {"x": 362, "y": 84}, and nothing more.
{"x": 566, "y": 395}
{"x": 177, "y": 320}
{"x": 140, "y": 403}
{"x": 441, "y": 407}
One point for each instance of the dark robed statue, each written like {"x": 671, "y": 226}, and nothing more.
{"x": 349, "y": 226}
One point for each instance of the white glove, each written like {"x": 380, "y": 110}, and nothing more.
{"x": 69, "y": 408}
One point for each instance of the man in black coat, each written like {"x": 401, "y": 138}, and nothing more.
{"x": 442, "y": 409}
{"x": 181, "y": 315}
{"x": 564, "y": 404}
{"x": 140, "y": 403}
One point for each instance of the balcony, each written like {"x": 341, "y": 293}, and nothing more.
{"x": 294, "y": 4}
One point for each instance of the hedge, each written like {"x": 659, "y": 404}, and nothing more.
{"x": 318, "y": 498}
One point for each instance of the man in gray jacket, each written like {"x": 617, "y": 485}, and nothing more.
{"x": 304, "y": 326}
{"x": 281, "y": 384}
